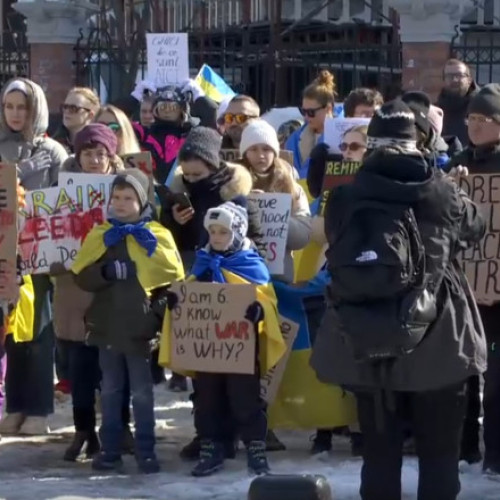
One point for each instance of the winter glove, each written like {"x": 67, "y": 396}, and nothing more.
{"x": 316, "y": 171}
{"x": 39, "y": 161}
{"x": 119, "y": 270}
{"x": 254, "y": 313}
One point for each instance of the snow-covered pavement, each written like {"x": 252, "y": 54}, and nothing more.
{"x": 33, "y": 467}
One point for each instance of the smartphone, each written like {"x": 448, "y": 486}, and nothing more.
{"x": 181, "y": 199}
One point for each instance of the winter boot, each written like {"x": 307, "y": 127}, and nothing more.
{"x": 256, "y": 457}
{"x": 273, "y": 443}
{"x": 105, "y": 462}
{"x": 93, "y": 446}
{"x": 148, "y": 465}
{"x": 74, "y": 449}
{"x": 211, "y": 459}
{"x": 322, "y": 441}
{"x": 191, "y": 451}
{"x": 177, "y": 383}
{"x": 11, "y": 423}
{"x": 34, "y": 426}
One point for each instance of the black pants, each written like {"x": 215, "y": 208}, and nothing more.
{"x": 470, "y": 437}
{"x": 437, "y": 419}
{"x": 219, "y": 395}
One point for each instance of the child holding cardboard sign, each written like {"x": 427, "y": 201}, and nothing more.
{"x": 229, "y": 258}
{"x": 126, "y": 262}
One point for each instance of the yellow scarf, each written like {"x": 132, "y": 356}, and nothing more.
{"x": 162, "y": 268}
{"x": 271, "y": 347}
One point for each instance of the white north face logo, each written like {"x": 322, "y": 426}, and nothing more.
{"x": 367, "y": 256}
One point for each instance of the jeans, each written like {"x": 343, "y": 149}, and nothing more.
{"x": 436, "y": 418}
{"x": 114, "y": 367}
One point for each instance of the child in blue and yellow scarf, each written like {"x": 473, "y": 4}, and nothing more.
{"x": 126, "y": 263}
{"x": 229, "y": 258}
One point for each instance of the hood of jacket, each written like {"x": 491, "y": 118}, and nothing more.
{"x": 451, "y": 103}
{"x": 39, "y": 116}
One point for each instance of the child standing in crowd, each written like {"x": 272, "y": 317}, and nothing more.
{"x": 126, "y": 262}
{"x": 260, "y": 150}
{"x": 95, "y": 153}
{"x": 229, "y": 253}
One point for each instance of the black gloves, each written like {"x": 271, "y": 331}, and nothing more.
{"x": 254, "y": 313}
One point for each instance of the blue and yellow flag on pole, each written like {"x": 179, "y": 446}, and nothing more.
{"x": 213, "y": 85}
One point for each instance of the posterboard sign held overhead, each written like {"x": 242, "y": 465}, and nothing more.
{"x": 168, "y": 58}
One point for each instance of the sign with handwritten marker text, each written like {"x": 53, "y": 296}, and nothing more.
{"x": 209, "y": 329}
{"x": 168, "y": 58}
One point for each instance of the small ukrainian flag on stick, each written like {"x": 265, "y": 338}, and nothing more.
{"x": 213, "y": 85}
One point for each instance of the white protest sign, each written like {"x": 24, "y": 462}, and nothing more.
{"x": 335, "y": 128}
{"x": 273, "y": 211}
{"x": 90, "y": 188}
{"x": 168, "y": 58}
{"x": 209, "y": 329}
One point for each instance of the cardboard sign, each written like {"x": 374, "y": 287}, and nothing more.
{"x": 57, "y": 220}
{"x": 232, "y": 155}
{"x": 270, "y": 383}
{"x": 273, "y": 211}
{"x": 337, "y": 173}
{"x": 8, "y": 231}
{"x": 335, "y": 128}
{"x": 481, "y": 262}
{"x": 209, "y": 329}
{"x": 168, "y": 58}
{"x": 144, "y": 162}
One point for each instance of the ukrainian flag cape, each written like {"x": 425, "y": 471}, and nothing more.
{"x": 21, "y": 320}
{"x": 241, "y": 268}
{"x": 302, "y": 401}
{"x": 162, "y": 268}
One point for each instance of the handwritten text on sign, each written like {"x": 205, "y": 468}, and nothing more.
{"x": 337, "y": 173}
{"x": 274, "y": 214}
{"x": 57, "y": 220}
{"x": 8, "y": 232}
{"x": 270, "y": 382}
{"x": 481, "y": 262}
{"x": 209, "y": 329}
{"x": 168, "y": 58}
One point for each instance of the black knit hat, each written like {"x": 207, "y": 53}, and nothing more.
{"x": 205, "y": 144}
{"x": 393, "y": 125}
{"x": 487, "y": 102}
{"x": 420, "y": 104}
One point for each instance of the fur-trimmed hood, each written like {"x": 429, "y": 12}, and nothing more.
{"x": 239, "y": 182}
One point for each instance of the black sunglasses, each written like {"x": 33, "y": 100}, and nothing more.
{"x": 310, "y": 112}
{"x": 72, "y": 108}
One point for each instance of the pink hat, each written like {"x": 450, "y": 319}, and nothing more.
{"x": 435, "y": 118}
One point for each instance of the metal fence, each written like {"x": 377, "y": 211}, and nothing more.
{"x": 14, "y": 56}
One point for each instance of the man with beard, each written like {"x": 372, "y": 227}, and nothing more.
{"x": 458, "y": 90}
{"x": 241, "y": 110}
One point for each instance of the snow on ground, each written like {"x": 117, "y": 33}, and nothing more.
{"x": 33, "y": 467}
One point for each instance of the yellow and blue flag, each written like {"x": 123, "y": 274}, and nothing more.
{"x": 213, "y": 85}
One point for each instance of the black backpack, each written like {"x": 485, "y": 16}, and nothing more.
{"x": 380, "y": 286}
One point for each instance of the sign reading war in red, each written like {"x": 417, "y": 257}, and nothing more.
{"x": 337, "y": 173}
{"x": 56, "y": 221}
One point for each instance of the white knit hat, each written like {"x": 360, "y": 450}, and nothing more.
{"x": 259, "y": 132}
{"x": 231, "y": 216}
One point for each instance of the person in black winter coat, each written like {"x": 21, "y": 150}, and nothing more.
{"x": 458, "y": 90}
{"x": 427, "y": 386}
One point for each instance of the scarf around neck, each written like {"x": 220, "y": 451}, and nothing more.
{"x": 119, "y": 231}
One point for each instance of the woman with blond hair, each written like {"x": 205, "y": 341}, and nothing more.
{"x": 119, "y": 123}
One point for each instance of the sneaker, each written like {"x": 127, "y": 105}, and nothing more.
{"x": 191, "y": 451}
{"x": 322, "y": 441}
{"x": 74, "y": 449}
{"x": 34, "y": 426}
{"x": 11, "y": 423}
{"x": 105, "y": 462}
{"x": 273, "y": 443}
{"x": 128, "y": 441}
{"x": 148, "y": 465}
{"x": 63, "y": 386}
{"x": 211, "y": 459}
{"x": 177, "y": 383}
{"x": 256, "y": 458}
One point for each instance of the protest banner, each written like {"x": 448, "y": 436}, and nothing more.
{"x": 168, "y": 58}
{"x": 273, "y": 211}
{"x": 335, "y": 128}
{"x": 57, "y": 220}
{"x": 144, "y": 162}
{"x": 481, "y": 262}
{"x": 270, "y": 382}
{"x": 8, "y": 231}
{"x": 209, "y": 329}
{"x": 337, "y": 173}
{"x": 232, "y": 155}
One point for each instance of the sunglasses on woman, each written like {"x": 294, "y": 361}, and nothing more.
{"x": 351, "y": 146}
{"x": 114, "y": 126}
{"x": 310, "y": 112}
{"x": 72, "y": 108}
{"x": 239, "y": 119}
